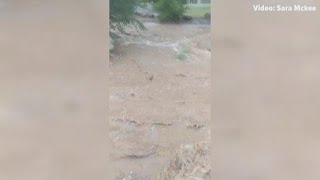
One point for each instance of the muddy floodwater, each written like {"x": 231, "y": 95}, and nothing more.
{"x": 159, "y": 102}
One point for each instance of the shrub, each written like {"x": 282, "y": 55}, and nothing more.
{"x": 170, "y": 10}
{"x": 122, "y": 14}
{"x": 207, "y": 15}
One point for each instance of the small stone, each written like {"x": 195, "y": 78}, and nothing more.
{"x": 187, "y": 18}
{"x": 151, "y": 78}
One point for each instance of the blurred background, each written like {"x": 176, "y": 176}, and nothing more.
{"x": 265, "y": 105}
{"x": 53, "y": 62}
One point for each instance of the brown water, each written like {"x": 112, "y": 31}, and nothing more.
{"x": 160, "y": 105}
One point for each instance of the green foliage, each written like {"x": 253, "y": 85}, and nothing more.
{"x": 122, "y": 14}
{"x": 198, "y": 10}
{"x": 149, "y": 1}
{"x": 207, "y": 15}
{"x": 170, "y": 10}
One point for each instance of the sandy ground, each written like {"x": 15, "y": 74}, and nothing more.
{"x": 160, "y": 105}
{"x": 265, "y": 105}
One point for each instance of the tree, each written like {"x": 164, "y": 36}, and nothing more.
{"x": 170, "y": 10}
{"x": 122, "y": 14}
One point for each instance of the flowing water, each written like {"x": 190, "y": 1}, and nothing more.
{"x": 159, "y": 103}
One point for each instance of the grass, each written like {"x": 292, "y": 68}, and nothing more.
{"x": 198, "y": 11}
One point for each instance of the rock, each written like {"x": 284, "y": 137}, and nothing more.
{"x": 151, "y": 77}
{"x": 137, "y": 13}
{"x": 187, "y": 18}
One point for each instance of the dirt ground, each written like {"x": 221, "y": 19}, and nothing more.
{"x": 159, "y": 104}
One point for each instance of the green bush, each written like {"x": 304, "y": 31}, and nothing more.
{"x": 122, "y": 15}
{"x": 207, "y": 15}
{"x": 170, "y": 10}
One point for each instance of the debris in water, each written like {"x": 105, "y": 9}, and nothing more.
{"x": 151, "y": 78}
{"x": 195, "y": 126}
{"x": 129, "y": 122}
{"x": 162, "y": 124}
{"x": 190, "y": 162}
{"x": 139, "y": 154}
{"x": 180, "y": 75}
